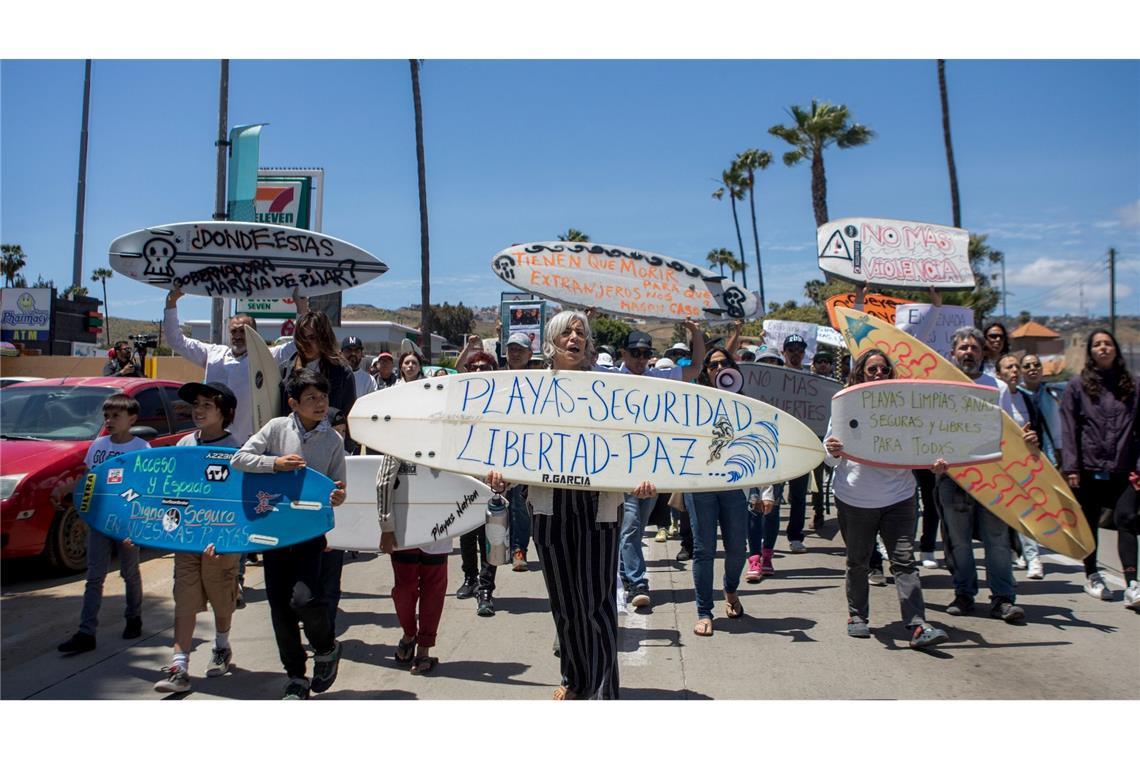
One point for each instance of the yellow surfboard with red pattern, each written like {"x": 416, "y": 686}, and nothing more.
{"x": 1023, "y": 488}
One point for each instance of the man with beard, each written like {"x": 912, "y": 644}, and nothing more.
{"x": 352, "y": 349}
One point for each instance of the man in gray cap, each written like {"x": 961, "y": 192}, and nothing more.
{"x": 352, "y": 348}
{"x": 519, "y": 351}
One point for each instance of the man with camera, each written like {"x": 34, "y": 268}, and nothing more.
{"x": 125, "y": 363}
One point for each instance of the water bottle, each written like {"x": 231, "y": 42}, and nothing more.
{"x": 498, "y": 531}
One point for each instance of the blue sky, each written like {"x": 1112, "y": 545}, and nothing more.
{"x": 1048, "y": 156}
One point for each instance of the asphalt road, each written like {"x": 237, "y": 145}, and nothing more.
{"x": 791, "y": 643}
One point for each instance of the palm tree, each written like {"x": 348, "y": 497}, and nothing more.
{"x": 737, "y": 265}
{"x": 425, "y": 286}
{"x": 12, "y": 260}
{"x": 751, "y": 161}
{"x": 102, "y": 274}
{"x": 732, "y": 179}
{"x": 813, "y": 131}
{"x": 955, "y": 207}
{"x": 574, "y": 236}
{"x": 719, "y": 257}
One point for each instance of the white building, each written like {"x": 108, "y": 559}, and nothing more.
{"x": 377, "y": 336}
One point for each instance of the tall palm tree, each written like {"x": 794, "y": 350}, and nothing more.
{"x": 955, "y": 207}
{"x": 719, "y": 257}
{"x": 813, "y": 131}
{"x": 12, "y": 260}
{"x": 751, "y": 161}
{"x": 731, "y": 181}
{"x": 425, "y": 286}
{"x": 102, "y": 274}
{"x": 737, "y": 265}
{"x": 574, "y": 236}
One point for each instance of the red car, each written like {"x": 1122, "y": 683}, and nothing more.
{"x": 46, "y": 427}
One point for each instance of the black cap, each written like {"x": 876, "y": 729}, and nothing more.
{"x": 638, "y": 339}
{"x": 190, "y": 391}
{"x": 823, "y": 356}
{"x": 336, "y": 417}
{"x": 351, "y": 342}
{"x": 794, "y": 340}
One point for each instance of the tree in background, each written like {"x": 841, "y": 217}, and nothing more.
{"x": 810, "y": 134}
{"x": 574, "y": 236}
{"x": 12, "y": 260}
{"x": 750, "y": 162}
{"x": 984, "y": 298}
{"x": 731, "y": 182}
{"x": 72, "y": 292}
{"x": 1024, "y": 317}
{"x": 955, "y": 207}
{"x": 454, "y": 323}
{"x": 425, "y": 268}
{"x": 720, "y": 258}
{"x": 608, "y": 331}
{"x": 102, "y": 274}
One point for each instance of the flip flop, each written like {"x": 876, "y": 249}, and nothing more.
{"x": 405, "y": 650}
{"x": 563, "y": 694}
{"x": 704, "y": 627}
{"x": 424, "y": 665}
{"x": 733, "y": 609}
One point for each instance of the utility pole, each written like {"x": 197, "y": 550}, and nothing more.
{"x": 81, "y": 190}
{"x": 1112, "y": 290}
{"x": 1004, "y": 313}
{"x": 216, "y": 315}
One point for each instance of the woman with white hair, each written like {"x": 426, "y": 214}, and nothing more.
{"x": 576, "y": 536}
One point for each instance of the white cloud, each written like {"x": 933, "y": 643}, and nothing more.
{"x": 1054, "y": 285}
{"x": 1129, "y": 215}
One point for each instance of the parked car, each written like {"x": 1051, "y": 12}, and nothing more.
{"x": 46, "y": 427}
{"x": 6, "y": 381}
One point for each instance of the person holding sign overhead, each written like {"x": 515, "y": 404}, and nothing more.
{"x": 878, "y": 500}
{"x": 576, "y": 536}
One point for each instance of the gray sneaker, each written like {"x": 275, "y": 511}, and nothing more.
{"x": 325, "y": 667}
{"x": 1006, "y": 610}
{"x": 298, "y": 688}
{"x": 858, "y": 628}
{"x": 177, "y": 681}
{"x": 220, "y": 664}
{"x": 926, "y": 636}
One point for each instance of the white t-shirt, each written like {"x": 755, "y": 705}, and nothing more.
{"x": 669, "y": 373}
{"x": 1004, "y": 400}
{"x": 365, "y": 383}
{"x": 1020, "y": 411}
{"x": 867, "y": 486}
{"x": 228, "y": 441}
{"x": 103, "y": 449}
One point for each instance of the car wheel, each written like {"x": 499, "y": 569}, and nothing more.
{"x": 67, "y": 541}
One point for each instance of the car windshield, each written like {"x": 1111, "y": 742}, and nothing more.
{"x": 55, "y": 413}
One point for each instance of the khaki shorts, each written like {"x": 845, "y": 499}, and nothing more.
{"x": 198, "y": 579}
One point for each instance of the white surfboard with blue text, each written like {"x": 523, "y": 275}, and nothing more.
{"x": 587, "y": 430}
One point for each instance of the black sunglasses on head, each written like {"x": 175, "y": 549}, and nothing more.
{"x": 718, "y": 364}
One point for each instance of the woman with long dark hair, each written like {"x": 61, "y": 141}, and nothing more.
{"x": 1099, "y": 454}
{"x": 409, "y": 368}
{"x": 707, "y": 510}
{"x": 576, "y": 536}
{"x": 878, "y": 500}
{"x": 997, "y": 346}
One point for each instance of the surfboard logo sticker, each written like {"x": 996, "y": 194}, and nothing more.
{"x": 129, "y": 495}
{"x": 171, "y": 519}
{"x": 753, "y": 451}
{"x": 115, "y": 476}
{"x": 722, "y": 436}
{"x": 88, "y": 492}
{"x": 219, "y": 455}
{"x": 263, "y": 504}
{"x": 217, "y": 472}
{"x": 734, "y": 299}
{"x": 259, "y": 379}
{"x": 505, "y": 267}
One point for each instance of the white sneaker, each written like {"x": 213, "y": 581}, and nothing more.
{"x": 176, "y": 681}
{"x": 1132, "y": 596}
{"x": 1095, "y": 588}
{"x": 220, "y": 662}
{"x": 876, "y": 578}
{"x": 1036, "y": 570}
{"x": 1021, "y": 564}
{"x": 796, "y": 547}
{"x": 928, "y": 560}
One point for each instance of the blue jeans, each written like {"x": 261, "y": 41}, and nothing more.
{"x": 960, "y": 512}
{"x": 631, "y": 567}
{"x": 99, "y": 548}
{"x": 730, "y": 510}
{"x": 520, "y": 520}
{"x": 763, "y": 529}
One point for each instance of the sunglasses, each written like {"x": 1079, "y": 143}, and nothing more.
{"x": 994, "y": 336}
{"x": 877, "y": 369}
{"x": 479, "y": 368}
{"x": 719, "y": 364}
{"x": 639, "y": 353}
{"x": 1031, "y": 365}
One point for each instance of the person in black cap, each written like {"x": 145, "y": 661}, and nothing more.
{"x": 352, "y": 349}
{"x": 823, "y": 364}
{"x": 794, "y": 348}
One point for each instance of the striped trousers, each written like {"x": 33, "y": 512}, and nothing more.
{"x": 579, "y": 559}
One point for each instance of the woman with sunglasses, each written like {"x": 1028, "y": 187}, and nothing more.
{"x": 576, "y": 536}
{"x": 873, "y": 500}
{"x": 729, "y": 509}
{"x": 997, "y": 346}
{"x": 1099, "y": 455}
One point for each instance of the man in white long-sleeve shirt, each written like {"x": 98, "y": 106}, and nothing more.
{"x": 226, "y": 364}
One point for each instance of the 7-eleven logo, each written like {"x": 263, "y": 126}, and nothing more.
{"x": 277, "y": 203}
{"x": 275, "y": 199}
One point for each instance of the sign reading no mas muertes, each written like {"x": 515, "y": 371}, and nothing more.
{"x": 895, "y": 253}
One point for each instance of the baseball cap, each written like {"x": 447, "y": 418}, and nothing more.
{"x": 519, "y": 339}
{"x": 638, "y": 339}
{"x": 678, "y": 348}
{"x": 665, "y": 363}
{"x": 794, "y": 340}
{"x": 351, "y": 342}
{"x": 383, "y": 355}
{"x": 823, "y": 356}
{"x": 190, "y": 391}
{"x": 605, "y": 360}
{"x": 770, "y": 355}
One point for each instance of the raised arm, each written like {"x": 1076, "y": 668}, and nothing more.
{"x": 697, "y": 338}
{"x": 194, "y": 351}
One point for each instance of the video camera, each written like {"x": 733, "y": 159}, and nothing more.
{"x": 143, "y": 342}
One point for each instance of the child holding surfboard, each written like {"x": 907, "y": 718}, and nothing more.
{"x": 120, "y": 413}
{"x": 292, "y": 574}
{"x": 878, "y": 500}
{"x": 206, "y": 577}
